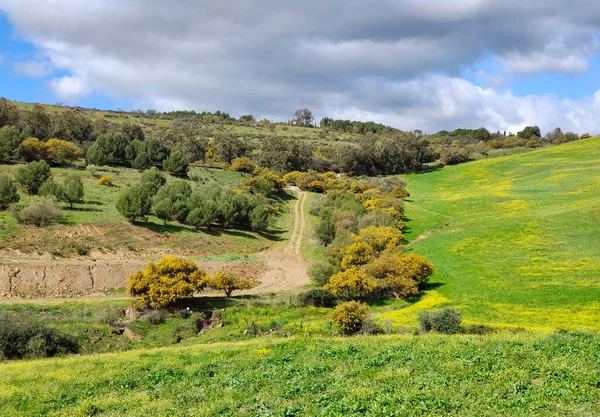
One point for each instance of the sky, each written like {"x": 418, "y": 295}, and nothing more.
{"x": 411, "y": 64}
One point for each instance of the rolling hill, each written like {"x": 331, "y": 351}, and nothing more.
{"x": 514, "y": 239}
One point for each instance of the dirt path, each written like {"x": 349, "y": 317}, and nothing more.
{"x": 286, "y": 270}
{"x": 282, "y": 269}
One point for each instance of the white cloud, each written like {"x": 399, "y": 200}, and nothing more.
{"x": 555, "y": 57}
{"x": 448, "y": 103}
{"x": 394, "y": 61}
{"x": 70, "y": 89}
{"x": 37, "y": 68}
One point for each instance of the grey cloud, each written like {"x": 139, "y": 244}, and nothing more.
{"x": 270, "y": 57}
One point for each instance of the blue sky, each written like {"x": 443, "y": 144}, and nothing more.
{"x": 18, "y": 87}
{"x": 502, "y": 64}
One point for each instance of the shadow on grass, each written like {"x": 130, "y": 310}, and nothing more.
{"x": 272, "y": 235}
{"x": 429, "y": 169}
{"x": 83, "y": 209}
{"x": 93, "y": 203}
{"x": 284, "y": 197}
{"x": 166, "y": 228}
{"x": 382, "y": 302}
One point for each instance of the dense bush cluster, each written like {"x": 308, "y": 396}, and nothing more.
{"x": 209, "y": 206}
{"x": 171, "y": 279}
{"x": 360, "y": 223}
{"x": 446, "y": 320}
{"x": 23, "y": 336}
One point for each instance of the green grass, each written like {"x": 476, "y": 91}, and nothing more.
{"x": 514, "y": 239}
{"x": 516, "y": 375}
{"x": 97, "y": 223}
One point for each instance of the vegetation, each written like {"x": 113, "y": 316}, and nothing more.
{"x": 504, "y": 251}
{"x": 228, "y": 283}
{"x": 135, "y": 202}
{"x": 163, "y": 283}
{"x": 350, "y": 316}
{"x": 40, "y": 212}
{"x": 23, "y": 336}
{"x": 8, "y": 192}
{"x": 446, "y": 320}
{"x": 33, "y": 175}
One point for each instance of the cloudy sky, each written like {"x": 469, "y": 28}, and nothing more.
{"x": 426, "y": 64}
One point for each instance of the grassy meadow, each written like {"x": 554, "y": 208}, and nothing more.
{"x": 514, "y": 239}
{"x": 97, "y": 224}
{"x": 516, "y": 375}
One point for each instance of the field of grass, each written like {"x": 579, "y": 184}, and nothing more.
{"x": 516, "y": 375}
{"x": 514, "y": 239}
{"x": 97, "y": 223}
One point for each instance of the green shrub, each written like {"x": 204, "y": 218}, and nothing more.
{"x": 72, "y": 190}
{"x": 153, "y": 179}
{"x": 33, "y": 175}
{"x": 326, "y": 231}
{"x": 446, "y": 321}
{"x": 8, "y": 192}
{"x": 41, "y": 212}
{"x": 23, "y": 336}
{"x": 320, "y": 272}
{"x": 50, "y": 189}
{"x": 155, "y": 317}
{"x": 318, "y": 298}
{"x": 176, "y": 164}
{"x": 135, "y": 202}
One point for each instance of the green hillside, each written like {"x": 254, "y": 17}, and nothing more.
{"x": 514, "y": 239}
{"x": 500, "y": 375}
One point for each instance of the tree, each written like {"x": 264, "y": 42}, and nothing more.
{"x": 37, "y": 123}
{"x": 163, "y": 209}
{"x": 203, "y": 215}
{"x": 530, "y": 132}
{"x": 194, "y": 149}
{"x": 33, "y": 175}
{"x": 350, "y": 283}
{"x": 398, "y": 275}
{"x": 50, "y": 188}
{"x": 96, "y": 155}
{"x": 134, "y": 202}
{"x": 350, "y": 316}
{"x": 285, "y": 154}
{"x": 243, "y": 164}
{"x": 8, "y": 192}
{"x": 165, "y": 282}
{"x": 554, "y": 135}
{"x": 153, "y": 179}
{"x": 227, "y": 147}
{"x": 72, "y": 190}
{"x": 132, "y": 132}
{"x": 9, "y": 114}
{"x": 62, "y": 152}
{"x": 228, "y": 283}
{"x": 326, "y": 231}
{"x": 248, "y": 118}
{"x": 9, "y": 142}
{"x": 176, "y": 164}
{"x": 304, "y": 118}
{"x": 72, "y": 126}
{"x": 32, "y": 149}
{"x": 170, "y": 202}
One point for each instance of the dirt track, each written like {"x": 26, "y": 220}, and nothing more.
{"x": 282, "y": 269}
{"x": 286, "y": 270}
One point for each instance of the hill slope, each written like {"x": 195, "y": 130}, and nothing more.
{"x": 514, "y": 239}
{"x": 516, "y": 375}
